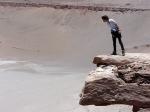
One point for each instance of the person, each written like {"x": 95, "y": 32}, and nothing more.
{"x": 116, "y": 34}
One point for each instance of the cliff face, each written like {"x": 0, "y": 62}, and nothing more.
{"x": 119, "y": 80}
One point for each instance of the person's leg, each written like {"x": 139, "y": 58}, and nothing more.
{"x": 121, "y": 43}
{"x": 114, "y": 45}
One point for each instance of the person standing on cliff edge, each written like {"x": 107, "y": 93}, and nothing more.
{"x": 116, "y": 34}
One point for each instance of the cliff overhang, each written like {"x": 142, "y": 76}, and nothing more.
{"x": 119, "y": 80}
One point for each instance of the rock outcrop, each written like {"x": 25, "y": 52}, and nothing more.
{"x": 145, "y": 110}
{"x": 119, "y": 80}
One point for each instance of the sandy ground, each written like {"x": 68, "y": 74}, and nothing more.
{"x": 66, "y": 36}
{"x": 57, "y": 47}
{"x": 122, "y": 3}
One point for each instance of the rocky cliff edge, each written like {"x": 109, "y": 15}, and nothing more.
{"x": 119, "y": 80}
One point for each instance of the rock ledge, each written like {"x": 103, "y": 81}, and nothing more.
{"x": 119, "y": 80}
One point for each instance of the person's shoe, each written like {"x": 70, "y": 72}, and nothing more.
{"x": 114, "y": 53}
{"x": 123, "y": 52}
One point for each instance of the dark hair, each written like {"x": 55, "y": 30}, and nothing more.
{"x": 105, "y": 17}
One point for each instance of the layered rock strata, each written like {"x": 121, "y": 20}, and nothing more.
{"x": 119, "y": 80}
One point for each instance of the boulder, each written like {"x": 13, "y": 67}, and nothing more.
{"x": 119, "y": 80}
{"x": 145, "y": 110}
{"x": 121, "y": 60}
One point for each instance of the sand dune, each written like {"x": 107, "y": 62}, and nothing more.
{"x": 72, "y": 36}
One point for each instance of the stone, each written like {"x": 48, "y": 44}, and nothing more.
{"x": 119, "y": 80}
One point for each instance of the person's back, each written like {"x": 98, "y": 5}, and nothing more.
{"x": 113, "y": 25}
{"x": 116, "y": 34}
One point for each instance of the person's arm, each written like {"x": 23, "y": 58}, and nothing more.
{"x": 117, "y": 27}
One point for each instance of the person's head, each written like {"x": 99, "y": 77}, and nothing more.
{"x": 105, "y": 18}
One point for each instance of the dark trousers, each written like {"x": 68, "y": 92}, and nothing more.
{"x": 117, "y": 35}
